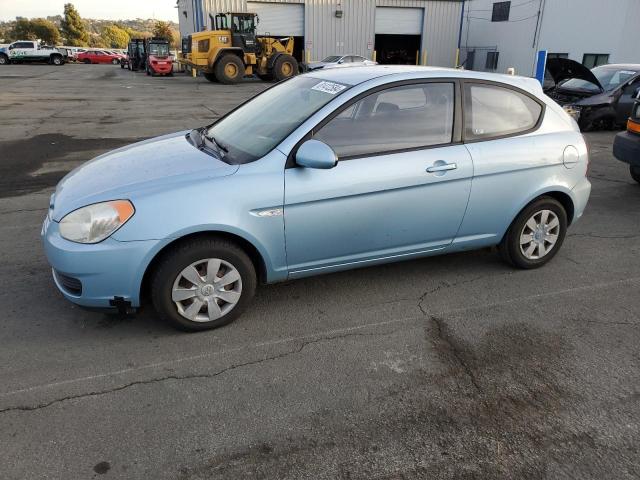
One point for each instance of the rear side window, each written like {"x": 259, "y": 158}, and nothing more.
{"x": 399, "y": 118}
{"x": 493, "y": 111}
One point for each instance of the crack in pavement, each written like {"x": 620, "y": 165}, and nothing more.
{"x": 595, "y": 235}
{"x": 302, "y": 346}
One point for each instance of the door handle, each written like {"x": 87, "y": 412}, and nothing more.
{"x": 441, "y": 166}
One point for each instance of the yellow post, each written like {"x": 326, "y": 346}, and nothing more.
{"x": 424, "y": 57}
{"x": 193, "y": 72}
{"x": 308, "y": 55}
{"x": 417, "y": 57}
{"x": 457, "y": 57}
{"x": 374, "y": 56}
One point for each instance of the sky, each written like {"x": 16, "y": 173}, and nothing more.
{"x": 101, "y": 9}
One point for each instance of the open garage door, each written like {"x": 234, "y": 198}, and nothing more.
{"x": 281, "y": 20}
{"x": 398, "y": 34}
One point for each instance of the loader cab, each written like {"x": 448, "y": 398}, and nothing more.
{"x": 242, "y": 27}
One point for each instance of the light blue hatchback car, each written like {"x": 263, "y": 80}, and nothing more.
{"x": 327, "y": 171}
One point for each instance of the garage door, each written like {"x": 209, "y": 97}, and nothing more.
{"x": 399, "y": 21}
{"x": 279, "y": 19}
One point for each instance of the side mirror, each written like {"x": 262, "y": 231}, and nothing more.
{"x": 340, "y": 61}
{"x": 636, "y": 92}
{"x": 315, "y": 154}
{"x": 11, "y": 47}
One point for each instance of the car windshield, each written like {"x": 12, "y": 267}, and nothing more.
{"x": 159, "y": 49}
{"x": 610, "y": 78}
{"x": 255, "y": 128}
{"x": 332, "y": 59}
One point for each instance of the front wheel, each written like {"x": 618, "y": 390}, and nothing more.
{"x": 87, "y": 61}
{"x": 635, "y": 173}
{"x": 203, "y": 283}
{"x": 536, "y": 235}
{"x": 285, "y": 66}
{"x": 4, "y": 60}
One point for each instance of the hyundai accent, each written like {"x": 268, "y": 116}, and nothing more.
{"x": 332, "y": 170}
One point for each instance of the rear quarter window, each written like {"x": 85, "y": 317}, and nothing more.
{"x": 492, "y": 111}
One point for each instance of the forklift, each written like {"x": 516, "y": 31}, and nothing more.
{"x": 135, "y": 55}
{"x": 232, "y": 50}
{"x": 158, "y": 59}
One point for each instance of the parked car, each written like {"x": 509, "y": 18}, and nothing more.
{"x": 334, "y": 61}
{"x": 98, "y": 56}
{"x": 598, "y": 98}
{"x": 626, "y": 145}
{"x": 27, "y": 51}
{"x": 364, "y": 165}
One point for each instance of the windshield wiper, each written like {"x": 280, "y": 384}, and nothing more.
{"x": 219, "y": 146}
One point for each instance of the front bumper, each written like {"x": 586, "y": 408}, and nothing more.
{"x": 161, "y": 69}
{"x": 626, "y": 148}
{"x": 92, "y": 275}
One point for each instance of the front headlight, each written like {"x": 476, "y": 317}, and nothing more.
{"x": 572, "y": 110}
{"x": 94, "y": 223}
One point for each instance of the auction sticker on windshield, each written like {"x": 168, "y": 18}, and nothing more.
{"x": 329, "y": 87}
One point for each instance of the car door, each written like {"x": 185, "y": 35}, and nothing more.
{"x": 627, "y": 99}
{"x": 512, "y": 162}
{"x": 400, "y": 187}
{"x": 21, "y": 50}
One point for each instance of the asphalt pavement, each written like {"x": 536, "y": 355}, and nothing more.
{"x": 447, "y": 367}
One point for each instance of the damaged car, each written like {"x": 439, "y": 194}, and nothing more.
{"x": 598, "y": 98}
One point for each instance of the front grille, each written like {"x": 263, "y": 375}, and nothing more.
{"x": 71, "y": 285}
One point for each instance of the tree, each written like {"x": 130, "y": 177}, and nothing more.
{"x": 114, "y": 36}
{"x": 23, "y": 30}
{"x": 73, "y": 28}
{"x": 46, "y": 31}
{"x": 163, "y": 30}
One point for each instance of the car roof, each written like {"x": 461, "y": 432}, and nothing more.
{"x": 356, "y": 75}
{"x": 622, "y": 66}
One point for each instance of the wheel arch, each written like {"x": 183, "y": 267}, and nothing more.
{"x": 222, "y": 52}
{"x": 560, "y": 195}
{"x": 256, "y": 256}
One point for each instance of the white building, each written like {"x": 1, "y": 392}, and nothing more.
{"x": 398, "y": 31}
{"x": 497, "y": 35}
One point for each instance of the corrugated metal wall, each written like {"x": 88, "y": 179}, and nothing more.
{"x": 355, "y": 31}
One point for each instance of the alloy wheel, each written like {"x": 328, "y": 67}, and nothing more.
{"x": 207, "y": 290}
{"x": 539, "y": 234}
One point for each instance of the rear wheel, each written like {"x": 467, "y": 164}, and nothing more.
{"x": 536, "y": 235}
{"x": 203, "y": 283}
{"x": 56, "y": 60}
{"x": 285, "y": 66}
{"x": 635, "y": 173}
{"x": 229, "y": 69}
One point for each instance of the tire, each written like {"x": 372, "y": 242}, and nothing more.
{"x": 168, "y": 277}
{"x": 211, "y": 77}
{"x": 519, "y": 254}
{"x": 56, "y": 60}
{"x": 86, "y": 61}
{"x": 4, "y": 60}
{"x": 115, "y": 61}
{"x": 284, "y": 67}
{"x": 635, "y": 173}
{"x": 229, "y": 69}
{"x": 122, "y": 65}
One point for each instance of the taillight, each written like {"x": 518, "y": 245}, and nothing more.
{"x": 633, "y": 126}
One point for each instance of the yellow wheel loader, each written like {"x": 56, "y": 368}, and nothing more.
{"x": 233, "y": 50}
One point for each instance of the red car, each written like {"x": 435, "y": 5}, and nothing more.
{"x": 98, "y": 56}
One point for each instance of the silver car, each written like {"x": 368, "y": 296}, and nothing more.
{"x": 334, "y": 61}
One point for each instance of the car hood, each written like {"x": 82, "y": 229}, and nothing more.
{"x": 127, "y": 172}
{"x": 563, "y": 69}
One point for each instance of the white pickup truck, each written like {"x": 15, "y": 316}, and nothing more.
{"x": 30, "y": 51}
